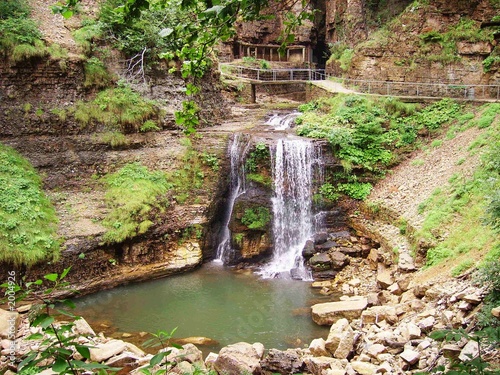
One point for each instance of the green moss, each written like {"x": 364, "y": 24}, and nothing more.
{"x": 28, "y": 221}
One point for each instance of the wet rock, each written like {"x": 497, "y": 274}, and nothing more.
{"x": 324, "y": 247}
{"x": 102, "y": 352}
{"x": 338, "y": 260}
{"x": 308, "y": 251}
{"x": 284, "y": 362}
{"x": 320, "y": 262}
{"x": 324, "y": 275}
{"x": 318, "y": 348}
{"x": 320, "y": 238}
{"x": 239, "y": 358}
{"x": 329, "y": 312}
{"x": 340, "y": 341}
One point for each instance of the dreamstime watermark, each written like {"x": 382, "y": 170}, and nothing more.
{"x": 10, "y": 295}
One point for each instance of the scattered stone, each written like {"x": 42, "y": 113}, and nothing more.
{"x": 427, "y": 323}
{"x": 373, "y": 259}
{"x": 340, "y": 341}
{"x": 338, "y": 260}
{"x": 451, "y": 351}
{"x": 210, "y": 360}
{"x": 320, "y": 262}
{"x": 329, "y": 312}
{"x": 126, "y": 335}
{"x": 285, "y": 362}
{"x": 239, "y": 358}
{"x": 320, "y": 365}
{"x": 196, "y": 340}
{"x": 469, "y": 351}
{"x": 363, "y": 368}
{"x": 183, "y": 368}
{"x": 394, "y": 289}
{"x": 411, "y": 331}
{"x": 410, "y": 356}
{"x": 188, "y": 352}
{"x": 384, "y": 279}
{"x": 376, "y": 314}
{"x": 496, "y": 312}
{"x": 354, "y": 282}
{"x": 318, "y": 348}
{"x": 128, "y": 360}
{"x": 406, "y": 262}
{"x": 102, "y": 352}
{"x": 376, "y": 349}
{"x": 473, "y": 299}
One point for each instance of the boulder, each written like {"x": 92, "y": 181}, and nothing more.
{"x": 320, "y": 238}
{"x": 102, "y": 352}
{"x": 329, "y": 312}
{"x": 469, "y": 351}
{"x": 373, "y": 259}
{"x": 239, "y": 358}
{"x": 320, "y": 262}
{"x": 210, "y": 360}
{"x": 363, "y": 368}
{"x": 188, "y": 352}
{"x": 196, "y": 340}
{"x": 496, "y": 312}
{"x": 284, "y": 362}
{"x": 128, "y": 360}
{"x": 377, "y": 314}
{"x": 410, "y": 356}
{"x": 340, "y": 341}
{"x": 183, "y": 368}
{"x": 338, "y": 260}
{"x": 384, "y": 278}
{"x": 406, "y": 262}
{"x": 308, "y": 250}
{"x": 324, "y": 365}
{"x": 318, "y": 349}
{"x": 324, "y": 247}
{"x": 83, "y": 328}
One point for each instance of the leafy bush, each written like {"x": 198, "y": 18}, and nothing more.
{"x": 257, "y": 158}
{"x": 28, "y": 220}
{"x": 114, "y": 139}
{"x": 132, "y": 193}
{"x": 149, "y": 126}
{"x": 256, "y": 218}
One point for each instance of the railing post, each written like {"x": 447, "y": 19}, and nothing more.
{"x": 258, "y": 74}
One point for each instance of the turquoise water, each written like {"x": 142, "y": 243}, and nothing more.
{"x": 215, "y": 302}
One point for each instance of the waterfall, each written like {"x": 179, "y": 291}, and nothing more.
{"x": 293, "y": 163}
{"x": 282, "y": 122}
{"x": 237, "y": 151}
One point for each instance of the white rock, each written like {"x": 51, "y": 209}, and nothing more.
{"x": 376, "y": 349}
{"x": 105, "y": 351}
{"x": 83, "y": 328}
{"x": 318, "y": 348}
{"x": 410, "y": 356}
{"x": 239, "y": 358}
{"x": 469, "y": 351}
{"x": 340, "y": 339}
{"x": 364, "y": 368}
{"x": 328, "y": 313}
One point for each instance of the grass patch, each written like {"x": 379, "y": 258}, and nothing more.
{"x": 135, "y": 195}
{"x": 118, "y": 108}
{"x": 28, "y": 221}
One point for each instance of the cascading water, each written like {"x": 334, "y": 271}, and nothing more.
{"x": 282, "y": 122}
{"x": 293, "y": 163}
{"x": 237, "y": 152}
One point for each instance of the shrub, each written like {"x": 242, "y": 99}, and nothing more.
{"x": 28, "y": 221}
{"x": 96, "y": 73}
{"x": 149, "y": 126}
{"x": 256, "y": 218}
{"x": 114, "y": 139}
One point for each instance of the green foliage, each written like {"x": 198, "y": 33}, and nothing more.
{"x": 96, "y": 73}
{"x": 160, "y": 339}
{"x": 133, "y": 194}
{"x": 489, "y": 336}
{"x": 118, "y": 108}
{"x": 114, "y": 139}
{"x": 28, "y": 221}
{"x": 342, "y": 54}
{"x": 329, "y": 192}
{"x": 188, "y": 117}
{"x": 465, "y": 30}
{"x": 56, "y": 346}
{"x": 86, "y": 34}
{"x": 490, "y": 62}
{"x": 257, "y": 158}
{"x": 256, "y": 218}
{"x": 211, "y": 160}
{"x": 260, "y": 179}
{"x": 464, "y": 266}
{"x": 356, "y": 190}
{"x": 149, "y": 126}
